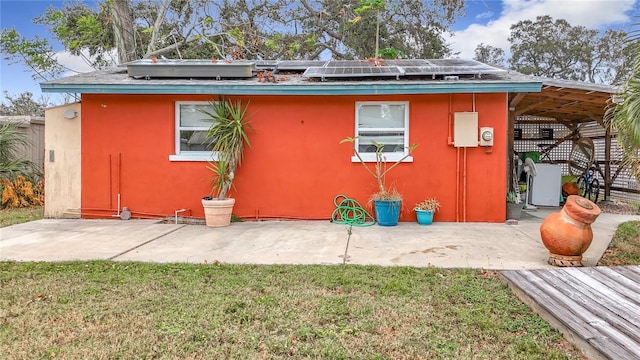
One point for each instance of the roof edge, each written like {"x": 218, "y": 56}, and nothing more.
{"x": 282, "y": 89}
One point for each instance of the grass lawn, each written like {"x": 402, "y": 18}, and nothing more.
{"x": 20, "y": 215}
{"x": 111, "y": 310}
{"x": 625, "y": 246}
{"x": 104, "y": 309}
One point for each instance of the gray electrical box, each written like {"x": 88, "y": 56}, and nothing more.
{"x": 465, "y": 129}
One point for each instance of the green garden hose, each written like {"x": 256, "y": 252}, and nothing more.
{"x": 350, "y": 212}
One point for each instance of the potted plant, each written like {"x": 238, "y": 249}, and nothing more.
{"x": 425, "y": 210}
{"x": 514, "y": 207}
{"x": 228, "y": 135}
{"x": 387, "y": 201}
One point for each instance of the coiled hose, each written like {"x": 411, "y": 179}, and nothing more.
{"x": 350, "y": 212}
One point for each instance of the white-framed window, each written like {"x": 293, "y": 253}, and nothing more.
{"x": 385, "y": 122}
{"x": 191, "y": 130}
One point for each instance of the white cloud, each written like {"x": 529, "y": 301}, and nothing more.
{"x": 593, "y": 14}
{"x": 485, "y": 15}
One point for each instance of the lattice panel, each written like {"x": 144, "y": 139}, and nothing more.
{"x": 531, "y": 142}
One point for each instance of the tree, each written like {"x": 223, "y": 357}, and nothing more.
{"x": 613, "y": 60}
{"x": 22, "y": 104}
{"x": 625, "y": 115}
{"x": 36, "y": 54}
{"x": 490, "y": 55}
{"x": 410, "y": 27}
{"x": 116, "y": 31}
{"x": 376, "y": 6}
{"x": 259, "y": 29}
{"x": 566, "y": 52}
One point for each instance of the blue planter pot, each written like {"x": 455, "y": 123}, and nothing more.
{"x": 387, "y": 212}
{"x": 424, "y": 217}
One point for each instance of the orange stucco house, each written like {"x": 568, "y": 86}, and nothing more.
{"x": 127, "y": 143}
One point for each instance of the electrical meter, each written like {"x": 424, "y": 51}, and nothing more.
{"x": 486, "y": 136}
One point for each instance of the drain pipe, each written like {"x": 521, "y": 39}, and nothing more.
{"x": 457, "y": 184}
{"x": 464, "y": 187}
{"x": 121, "y": 214}
{"x": 125, "y": 214}
{"x": 179, "y": 211}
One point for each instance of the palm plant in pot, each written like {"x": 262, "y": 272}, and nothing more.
{"x": 425, "y": 210}
{"x": 387, "y": 201}
{"x": 228, "y": 135}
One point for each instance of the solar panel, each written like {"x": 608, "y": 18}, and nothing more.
{"x": 407, "y": 62}
{"x": 400, "y": 67}
{"x": 353, "y": 72}
{"x": 419, "y": 70}
{"x": 461, "y": 67}
{"x": 299, "y": 65}
{"x": 266, "y": 63}
{"x": 349, "y": 63}
{"x": 453, "y": 62}
{"x": 190, "y": 68}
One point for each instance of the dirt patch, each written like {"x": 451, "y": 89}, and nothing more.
{"x": 619, "y": 207}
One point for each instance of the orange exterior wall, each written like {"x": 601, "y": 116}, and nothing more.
{"x": 296, "y": 165}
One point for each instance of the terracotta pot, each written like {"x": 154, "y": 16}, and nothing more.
{"x": 567, "y": 234}
{"x": 571, "y": 188}
{"x": 217, "y": 213}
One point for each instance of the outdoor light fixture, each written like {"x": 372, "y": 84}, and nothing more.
{"x": 70, "y": 114}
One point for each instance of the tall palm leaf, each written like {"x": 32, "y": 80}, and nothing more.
{"x": 625, "y": 115}
{"x": 228, "y": 133}
{"x": 12, "y": 140}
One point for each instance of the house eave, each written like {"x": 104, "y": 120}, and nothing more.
{"x": 310, "y": 89}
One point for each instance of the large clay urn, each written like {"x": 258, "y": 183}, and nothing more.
{"x": 567, "y": 234}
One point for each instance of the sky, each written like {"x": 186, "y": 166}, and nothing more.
{"x": 485, "y": 21}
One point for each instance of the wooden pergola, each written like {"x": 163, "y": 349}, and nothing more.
{"x": 572, "y": 104}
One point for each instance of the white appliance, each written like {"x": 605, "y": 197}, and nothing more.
{"x": 530, "y": 169}
{"x": 547, "y": 185}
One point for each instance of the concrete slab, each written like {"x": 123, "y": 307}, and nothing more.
{"x": 266, "y": 242}
{"x": 450, "y": 245}
{"x": 75, "y": 239}
{"x": 468, "y": 245}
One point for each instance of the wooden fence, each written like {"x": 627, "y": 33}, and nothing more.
{"x": 33, "y": 127}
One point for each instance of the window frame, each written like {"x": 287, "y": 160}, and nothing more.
{"x": 390, "y": 156}
{"x": 181, "y": 155}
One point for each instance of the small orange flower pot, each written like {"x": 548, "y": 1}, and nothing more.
{"x": 571, "y": 188}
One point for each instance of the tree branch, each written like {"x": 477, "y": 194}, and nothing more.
{"x": 168, "y": 49}
{"x": 320, "y": 14}
{"x": 156, "y": 26}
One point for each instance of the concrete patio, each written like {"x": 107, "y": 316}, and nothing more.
{"x": 442, "y": 244}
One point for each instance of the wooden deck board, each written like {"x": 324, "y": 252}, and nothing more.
{"x": 625, "y": 284}
{"x": 594, "y": 298}
{"x": 600, "y": 292}
{"x": 532, "y": 292}
{"x": 596, "y": 308}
